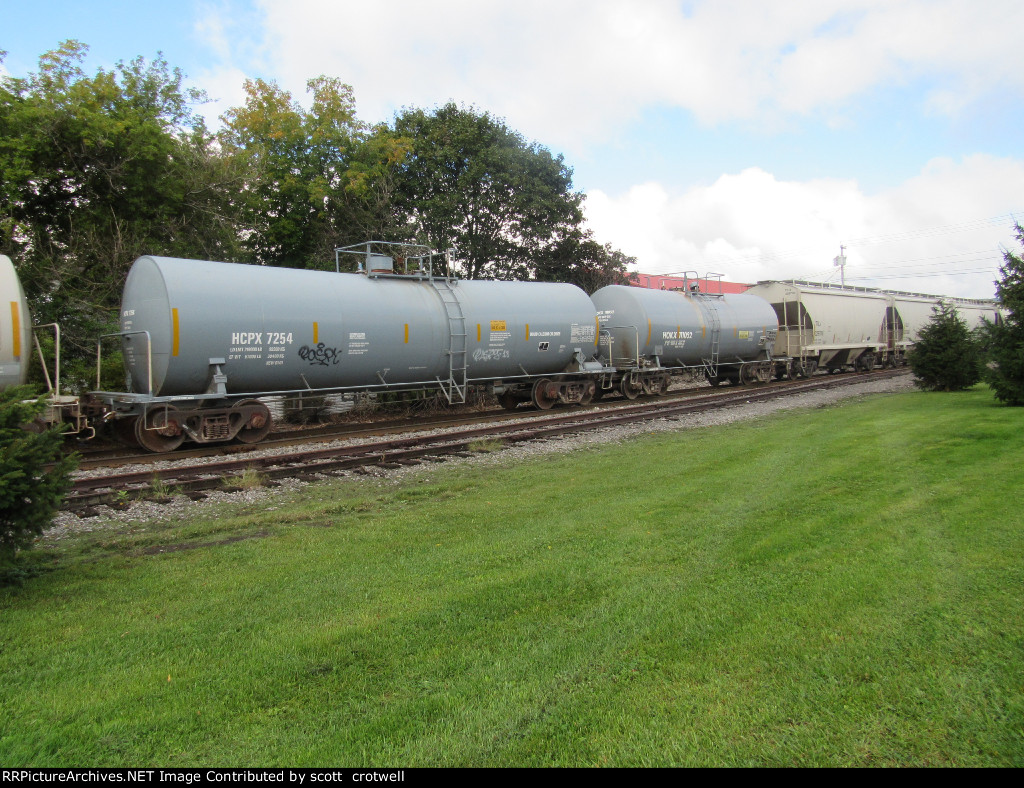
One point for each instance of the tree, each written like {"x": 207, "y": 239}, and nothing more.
{"x": 472, "y": 184}
{"x": 1005, "y": 339}
{"x": 96, "y": 170}
{"x": 371, "y": 187}
{"x": 316, "y": 179}
{"x": 582, "y": 261}
{"x": 30, "y": 492}
{"x": 945, "y": 356}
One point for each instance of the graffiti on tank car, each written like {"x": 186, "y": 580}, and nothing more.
{"x": 320, "y": 355}
{"x": 492, "y": 354}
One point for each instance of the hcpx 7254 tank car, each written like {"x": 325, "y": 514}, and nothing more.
{"x": 197, "y": 360}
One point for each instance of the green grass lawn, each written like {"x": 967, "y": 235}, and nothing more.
{"x": 832, "y": 587}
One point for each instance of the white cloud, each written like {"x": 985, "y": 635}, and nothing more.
{"x": 225, "y": 87}
{"x": 751, "y": 226}
{"x": 575, "y": 71}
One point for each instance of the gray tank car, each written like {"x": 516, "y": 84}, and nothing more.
{"x": 15, "y": 327}
{"x": 202, "y": 339}
{"x": 646, "y": 335}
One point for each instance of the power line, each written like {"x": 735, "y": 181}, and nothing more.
{"x": 969, "y": 272}
{"x": 940, "y": 229}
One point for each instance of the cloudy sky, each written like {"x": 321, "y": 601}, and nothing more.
{"x": 745, "y": 137}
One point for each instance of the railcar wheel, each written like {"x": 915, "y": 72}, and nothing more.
{"x": 258, "y": 422}
{"x": 159, "y": 430}
{"x": 747, "y": 374}
{"x": 629, "y": 389}
{"x": 545, "y": 394}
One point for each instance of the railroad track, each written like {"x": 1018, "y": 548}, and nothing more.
{"x": 119, "y": 456}
{"x": 196, "y": 479}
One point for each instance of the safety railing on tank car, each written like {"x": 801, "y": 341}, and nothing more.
{"x": 633, "y": 360}
{"x": 375, "y": 263}
{"x": 692, "y": 282}
{"x": 125, "y": 335}
{"x": 50, "y": 385}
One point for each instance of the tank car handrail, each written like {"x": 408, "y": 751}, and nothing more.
{"x": 149, "y": 357}
{"x": 420, "y": 253}
{"x": 611, "y": 352}
{"x": 56, "y": 354}
{"x": 696, "y": 277}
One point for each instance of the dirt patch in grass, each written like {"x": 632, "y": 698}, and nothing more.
{"x": 182, "y": 546}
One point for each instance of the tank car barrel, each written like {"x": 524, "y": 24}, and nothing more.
{"x": 15, "y": 327}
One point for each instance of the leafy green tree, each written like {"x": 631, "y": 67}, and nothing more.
{"x": 96, "y": 170}
{"x": 582, "y": 261}
{"x": 316, "y": 179}
{"x": 30, "y": 492}
{"x": 945, "y": 356}
{"x": 1005, "y": 339}
{"x": 472, "y": 184}
{"x": 371, "y": 187}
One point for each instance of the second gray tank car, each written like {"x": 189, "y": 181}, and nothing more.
{"x": 648, "y": 334}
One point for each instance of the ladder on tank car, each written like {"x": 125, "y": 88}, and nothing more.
{"x": 711, "y": 360}
{"x": 455, "y": 387}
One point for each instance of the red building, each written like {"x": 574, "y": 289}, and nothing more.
{"x": 658, "y": 282}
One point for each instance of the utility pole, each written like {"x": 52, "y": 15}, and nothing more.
{"x": 840, "y": 263}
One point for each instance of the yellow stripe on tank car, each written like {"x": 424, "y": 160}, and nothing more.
{"x": 527, "y": 332}
{"x": 407, "y": 333}
{"x": 478, "y": 333}
{"x": 316, "y": 332}
{"x": 175, "y": 332}
{"x": 16, "y": 326}
{"x": 648, "y": 332}
{"x": 597, "y": 331}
